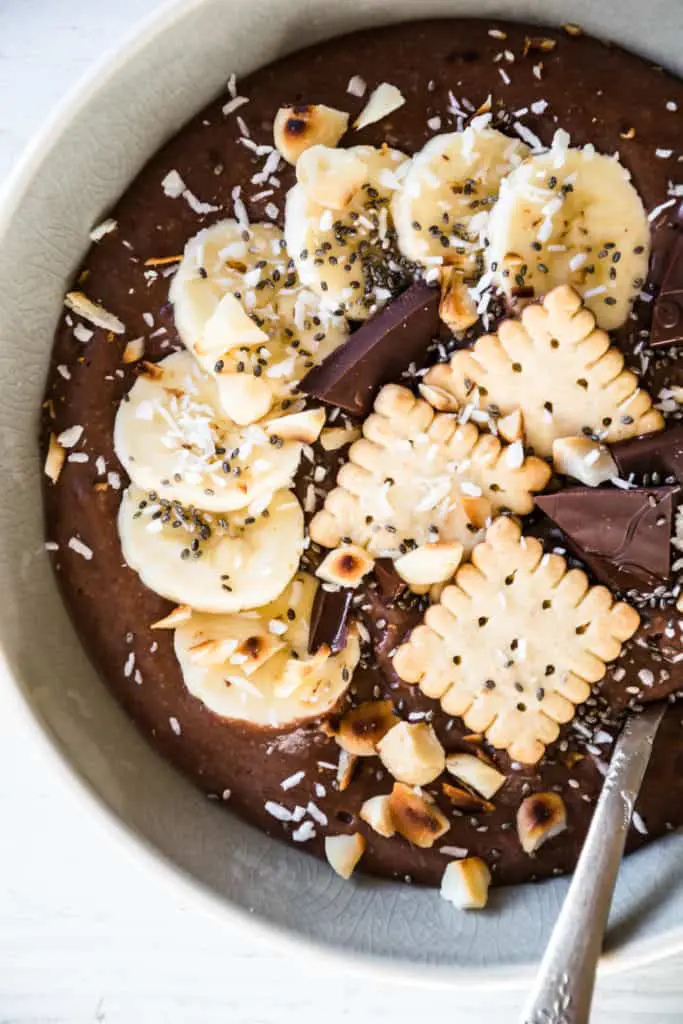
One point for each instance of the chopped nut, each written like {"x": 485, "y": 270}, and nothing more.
{"x": 464, "y": 800}
{"x": 152, "y": 370}
{"x": 376, "y": 812}
{"x": 383, "y": 101}
{"x": 630, "y": 133}
{"x": 345, "y": 767}
{"x": 542, "y": 43}
{"x": 511, "y": 427}
{"x": 180, "y": 614}
{"x": 228, "y": 326}
{"x": 474, "y": 773}
{"x": 345, "y": 566}
{"x": 133, "y": 351}
{"x": 344, "y": 852}
{"x": 541, "y": 816}
{"x": 430, "y": 563}
{"x": 362, "y": 728}
{"x": 415, "y": 817}
{"x": 572, "y": 29}
{"x": 330, "y": 177}
{"x": 93, "y": 313}
{"x": 583, "y": 459}
{"x": 296, "y": 129}
{"x": 411, "y": 752}
{"x": 439, "y": 398}
{"x": 465, "y": 883}
{"x": 162, "y": 261}
{"x": 457, "y": 308}
{"x": 54, "y": 461}
{"x": 334, "y": 438}
{"x": 244, "y": 398}
{"x": 298, "y": 426}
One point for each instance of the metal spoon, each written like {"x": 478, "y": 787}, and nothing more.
{"x": 563, "y": 991}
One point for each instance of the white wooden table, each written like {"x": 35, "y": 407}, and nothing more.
{"x": 86, "y": 935}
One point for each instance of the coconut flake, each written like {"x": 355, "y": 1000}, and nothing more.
{"x": 80, "y": 548}
{"x": 94, "y": 313}
{"x": 383, "y": 101}
{"x": 105, "y": 228}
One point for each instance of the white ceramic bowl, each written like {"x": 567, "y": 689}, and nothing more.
{"x": 73, "y": 173}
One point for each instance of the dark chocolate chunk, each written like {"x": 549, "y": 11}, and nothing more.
{"x": 330, "y": 619}
{"x": 661, "y": 453}
{"x": 389, "y": 583}
{"x": 623, "y": 536}
{"x": 667, "y": 311}
{"x": 377, "y": 352}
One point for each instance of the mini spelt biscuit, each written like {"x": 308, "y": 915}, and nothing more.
{"x": 559, "y": 369}
{"x": 417, "y": 477}
{"x": 516, "y": 642}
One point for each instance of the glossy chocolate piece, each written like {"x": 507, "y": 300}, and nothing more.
{"x": 378, "y": 352}
{"x": 661, "y": 453}
{"x": 624, "y": 537}
{"x": 330, "y": 619}
{"x": 667, "y": 312}
{"x": 389, "y": 583}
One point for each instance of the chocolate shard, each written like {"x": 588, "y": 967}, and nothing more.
{"x": 377, "y": 352}
{"x": 624, "y": 537}
{"x": 660, "y": 453}
{"x": 389, "y": 583}
{"x": 667, "y": 311}
{"x": 330, "y": 619}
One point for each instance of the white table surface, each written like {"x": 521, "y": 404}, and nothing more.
{"x": 88, "y": 935}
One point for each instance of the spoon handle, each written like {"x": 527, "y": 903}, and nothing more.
{"x": 563, "y": 990}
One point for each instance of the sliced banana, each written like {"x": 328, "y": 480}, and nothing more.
{"x": 241, "y": 311}
{"x": 173, "y": 438}
{"x": 442, "y": 209}
{"x": 571, "y": 216}
{"x": 210, "y": 562}
{"x": 256, "y": 666}
{"x": 338, "y": 226}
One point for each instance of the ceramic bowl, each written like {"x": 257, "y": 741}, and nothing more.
{"x": 73, "y": 173}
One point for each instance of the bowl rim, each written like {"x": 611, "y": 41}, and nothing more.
{"x": 132, "y": 843}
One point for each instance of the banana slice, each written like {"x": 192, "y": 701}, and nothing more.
{"x": 571, "y": 216}
{"x": 209, "y": 562}
{"x": 172, "y": 437}
{"x": 241, "y": 311}
{"x": 338, "y": 226}
{"x": 256, "y": 666}
{"x": 442, "y": 209}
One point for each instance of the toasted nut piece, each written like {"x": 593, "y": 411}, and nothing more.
{"x": 346, "y": 566}
{"x": 412, "y": 753}
{"x": 296, "y": 129}
{"x": 677, "y": 394}
{"x": 583, "y": 459}
{"x": 243, "y": 397}
{"x": 300, "y": 671}
{"x": 347, "y": 763}
{"x": 336, "y": 437}
{"x": 540, "y": 817}
{"x": 344, "y": 852}
{"x": 228, "y": 327}
{"x": 376, "y": 812}
{"x": 431, "y": 563}
{"x": 298, "y": 426}
{"x": 330, "y": 177}
{"x": 133, "y": 351}
{"x": 457, "y": 309}
{"x": 474, "y": 773}
{"x": 465, "y": 883}
{"x": 54, "y": 460}
{"x": 152, "y": 370}
{"x": 361, "y": 729}
{"x": 439, "y": 398}
{"x": 383, "y": 101}
{"x": 93, "y": 313}
{"x": 572, "y": 29}
{"x": 180, "y": 614}
{"x": 464, "y": 800}
{"x": 415, "y": 817}
{"x": 511, "y": 427}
